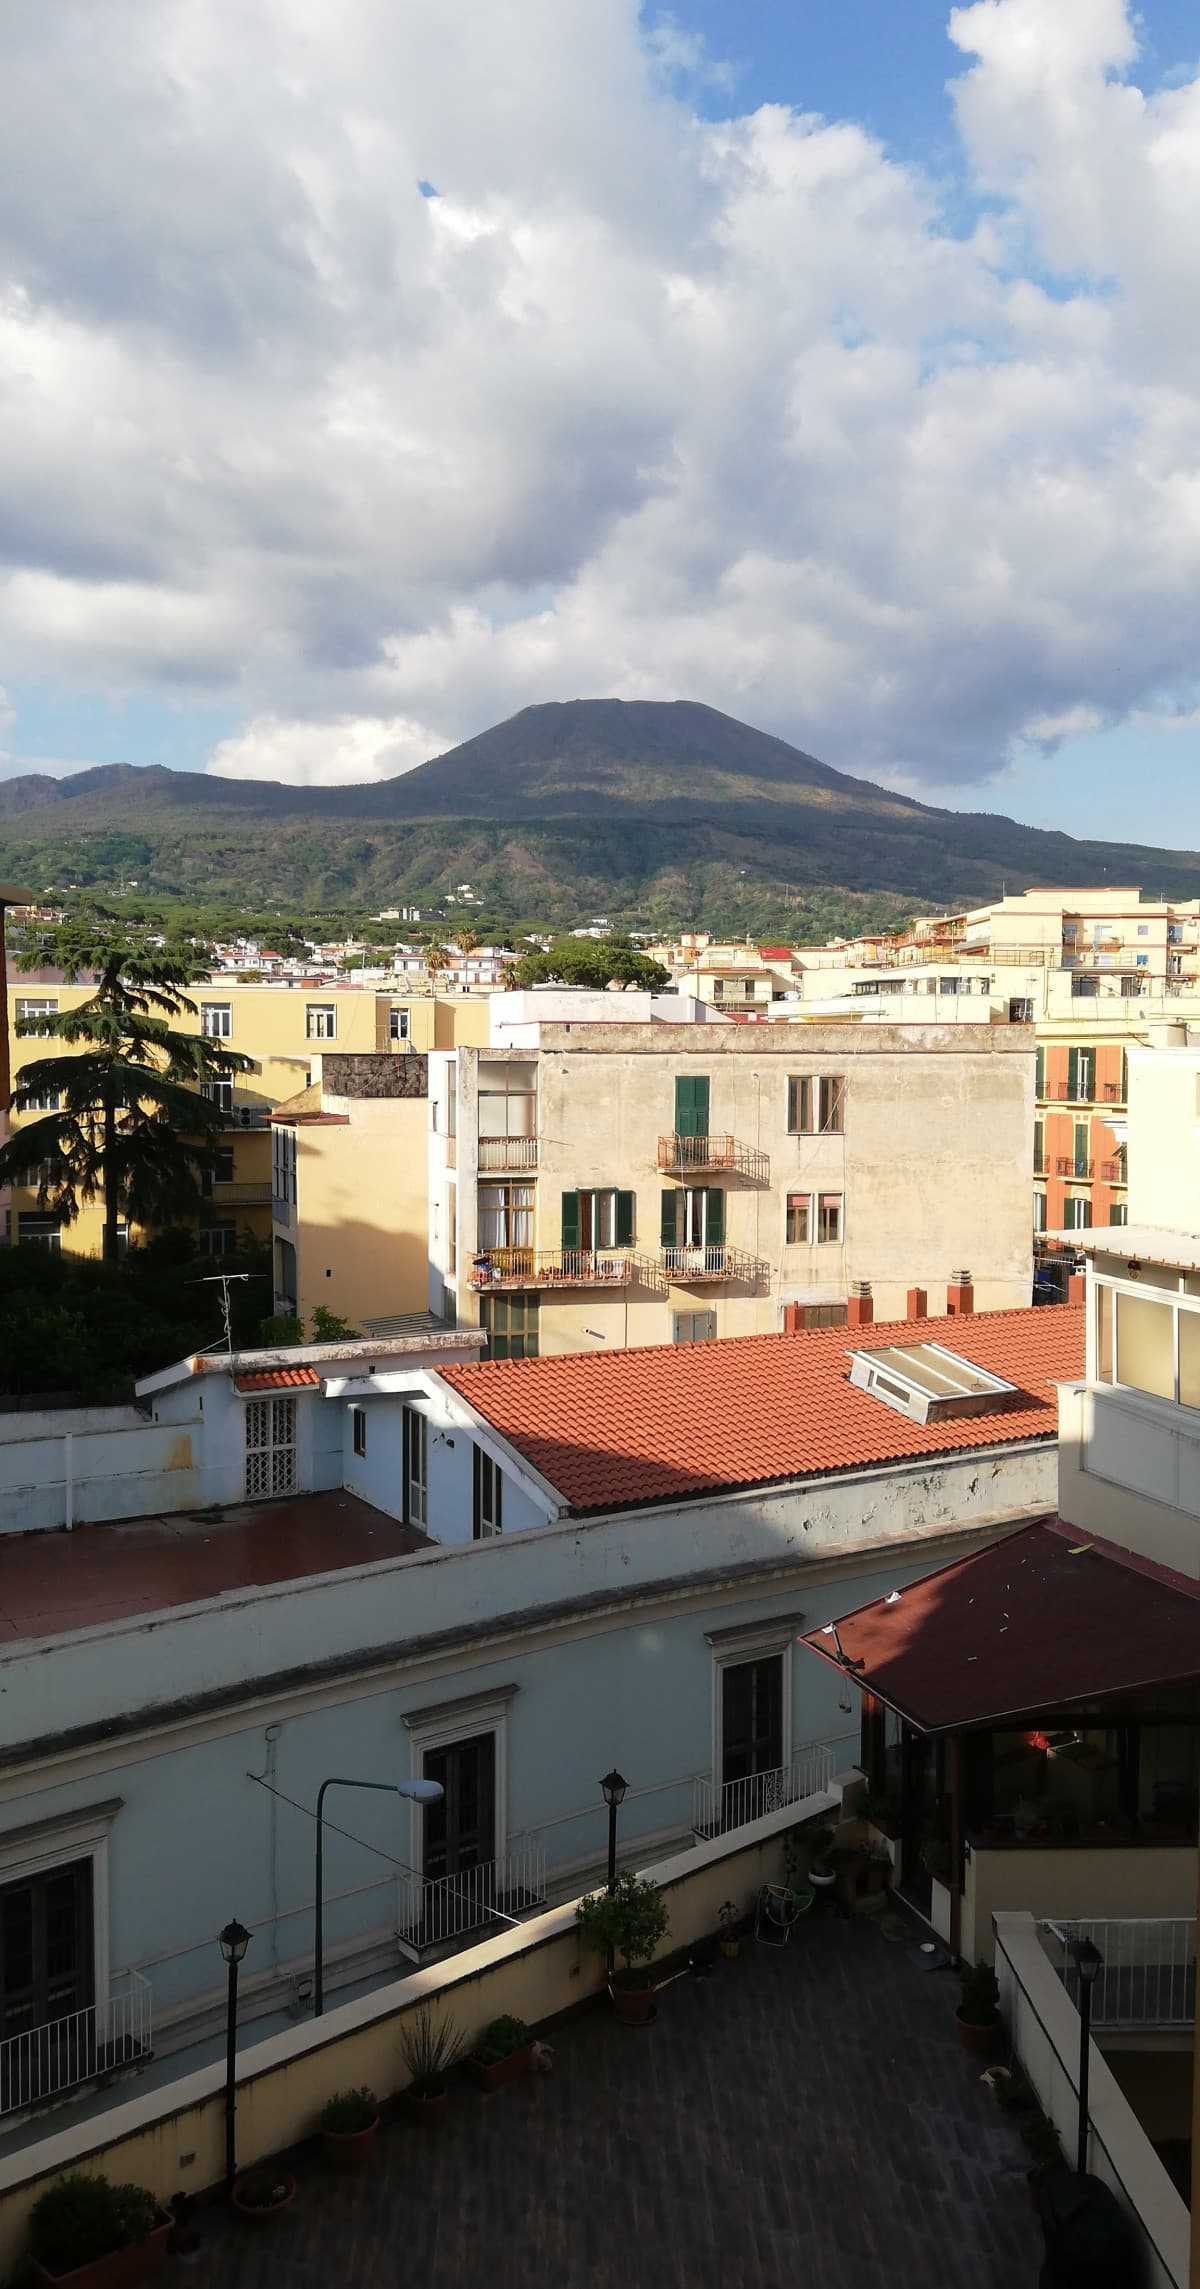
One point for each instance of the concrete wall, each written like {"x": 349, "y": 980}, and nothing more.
{"x": 359, "y": 1226}
{"x": 1087, "y": 1881}
{"x": 1129, "y": 1469}
{"x": 1164, "y": 1117}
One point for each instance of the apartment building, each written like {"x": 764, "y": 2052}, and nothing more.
{"x": 283, "y": 1029}
{"x": 606, "y": 1184}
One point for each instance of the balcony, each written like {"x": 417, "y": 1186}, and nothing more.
{"x": 46, "y": 2062}
{"x": 1080, "y": 1171}
{"x": 1112, "y": 1171}
{"x": 1114, "y": 1092}
{"x": 693, "y": 1267}
{"x": 718, "y": 1807}
{"x": 1063, "y": 1093}
{"x": 695, "y": 1156}
{"x": 1147, "y": 1979}
{"x": 240, "y": 1194}
{"x": 499, "y": 1153}
{"x": 498, "y": 1268}
{"x": 452, "y": 1911}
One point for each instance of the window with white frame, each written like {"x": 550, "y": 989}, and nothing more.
{"x": 54, "y": 1954}
{"x": 798, "y": 1220}
{"x": 216, "y": 1019}
{"x": 752, "y": 1718}
{"x": 39, "y": 1231}
{"x": 218, "y": 1239}
{"x": 283, "y": 1171}
{"x": 488, "y": 1496}
{"x": 1077, "y": 1215}
{"x": 1147, "y": 1339}
{"x": 320, "y": 1021}
{"x": 816, "y": 1104}
{"x": 399, "y": 1023}
{"x": 358, "y": 1429}
{"x": 218, "y": 1093}
{"x": 415, "y": 1467}
{"x": 270, "y": 1446}
{"x": 694, "y": 1327}
{"x": 31, "y": 1011}
{"x": 830, "y": 1218}
{"x": 46, "y": 1101}
{"x": 463, "y": 1745}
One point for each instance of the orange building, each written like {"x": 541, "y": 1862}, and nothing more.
{"x": 1079, "y": 1135}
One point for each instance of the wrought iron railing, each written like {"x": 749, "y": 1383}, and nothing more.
{"x": 444, "y": 1910}
{"x": 1113, "y": 1171}
{"x": 689, "y": 1265}
{"x": 47, "y": 2061}
{"x": 732, "y": 1804}
{"x": 551, "y": 1267}
{"x": 507, "y": 1152}
{"x": 691, "y": 1156}
{"x": 1147, "y": 1974}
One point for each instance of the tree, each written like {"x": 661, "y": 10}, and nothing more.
{"x": 130, "y": 1122}
{"x": 595, "y": 962}
{"x": 436, "y": 957}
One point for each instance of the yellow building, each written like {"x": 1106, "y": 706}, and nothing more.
{"x": 350, "y": 1190}
{"x": 282, "y": 1029}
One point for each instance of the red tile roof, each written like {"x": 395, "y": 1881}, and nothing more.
{"x": 1047, "y": 1617}
{"x": 278, "y": 1379}
{"x": 617, "y": 1428}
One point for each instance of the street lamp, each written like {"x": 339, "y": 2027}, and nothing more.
{"x": 418, "y": 1792}
{"x": 1088, "y": 1961}
{"x": 613, "y": 1788}
{"x": 233, "y": 1941}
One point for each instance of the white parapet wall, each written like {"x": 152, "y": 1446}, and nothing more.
{"x": 1044, "y": 2029}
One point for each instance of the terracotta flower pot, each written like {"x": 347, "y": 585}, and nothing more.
{"x": 427, "y": 2110}
{"x": 261, "y": 2213}
{"x": 729, "y": 1949}
{"x": 120, "y": 2268}
{"x": 634, "y": 2006}
{"x": 493, "y": 2074}
{"x": 978, "y": 2042}
{"x": 350, "y": 2149}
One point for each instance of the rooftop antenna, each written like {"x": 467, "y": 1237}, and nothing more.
{"x": 224, "y": 1281}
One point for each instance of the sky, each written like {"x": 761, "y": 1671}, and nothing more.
{"x": 387, "y": 368}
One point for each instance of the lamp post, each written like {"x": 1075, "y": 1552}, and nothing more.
{"x": 613, "y": 1787}
{"x": 233, "y": 1941}
{"x": 418, "y": 1792}
{"x": 1088, "y": 1959}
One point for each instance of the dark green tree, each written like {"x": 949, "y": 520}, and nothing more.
{"x": 596, "y": 962}
{"x": 131, "y": 1124}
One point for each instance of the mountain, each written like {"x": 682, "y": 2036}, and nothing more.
{"x": 665, "y": 811}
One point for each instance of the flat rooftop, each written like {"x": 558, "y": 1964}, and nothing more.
{"x": 51, "y": 1584}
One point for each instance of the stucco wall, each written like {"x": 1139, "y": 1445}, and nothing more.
{"x": 1129, "y": 1469}
{"x": 1090, "y": 1880}
{"x": 360, "y": 1220}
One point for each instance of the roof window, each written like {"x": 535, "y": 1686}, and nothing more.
{"x": 928, "y": 1383}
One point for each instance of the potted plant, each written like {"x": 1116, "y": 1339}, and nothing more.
{"x": 97, "y": 2235}
{"x": 348, "y": 2126}
{"x": 503, "y": 2053}
{"x": 185, "y": 2240}
{"x": 629, "y": 1921}
{"x": 430, "y": 2048}
{"x": 977, "y": 2018}
{"x": 729, "y": 1919}
{"x": 261, "y": 2193}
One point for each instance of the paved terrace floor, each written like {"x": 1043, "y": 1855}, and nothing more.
{"x": 804, "y": 2117}
{"x": 56, "y": 1581}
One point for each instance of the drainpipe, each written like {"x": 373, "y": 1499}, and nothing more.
{"x": 956, "y": 1848}
{"x": 68, "y": 1483}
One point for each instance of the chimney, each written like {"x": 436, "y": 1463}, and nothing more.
{"x": 860, "y": 1309}
{"x": 916, "y": 1304}
{"x": 793, "y": 1319}
{"x": 960, "y": 1296}
{"x": 1076, "y": 1287}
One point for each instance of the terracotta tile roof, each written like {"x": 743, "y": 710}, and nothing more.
{"x": 278, "y": 1379}
{"x": 1046, "y": 1617}
{"x": 614, "y": 1429}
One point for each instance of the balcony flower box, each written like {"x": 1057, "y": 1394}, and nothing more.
{"x": 82, "y": 2211}
{"x": 505, "y": 2053}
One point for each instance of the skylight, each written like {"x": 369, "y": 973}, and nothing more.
{"x": 928, "y": 1383}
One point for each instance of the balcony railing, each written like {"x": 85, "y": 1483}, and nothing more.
{"x": 1112, "y": 1171}
{"x": 1063, "y": 1093}
{"x": 689, "y": 1156}
{"x": 1114, "y": 1092}
{"x": 240, "y": 1194}
{"x": 1081, "y": 1170}
{"x": 449, "y": 1910}
{"x": 507, "y": 1152}
{"x": 720, "y": 1807}
{"x": 1147, "y": 1977}
{"x": 691, "y": 1266}
{"x": 552, "y": 1268}
{"x": 44, "y": 2062}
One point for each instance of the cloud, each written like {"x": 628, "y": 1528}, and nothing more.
{"x": 639, "y": 403}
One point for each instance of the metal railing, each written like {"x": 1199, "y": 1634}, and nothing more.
{"x": 44, "y": 2062}
{"x": 1066, "y": 1166}
{"x": 1147, "y": 1977}
{"x": 688, "y": 1156}
{"x": 1112, "y": 1171}
{"x": 507, "y": 1152}
{"x": 444, "y": 1909}
{"x": 731, "y": 1805}
{"x": 689, "y": 1265}
{"x": 552, "y": 1267}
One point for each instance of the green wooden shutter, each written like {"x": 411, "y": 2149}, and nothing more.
{"x": 1041, "y": 1073}
{"x": 714, "y": 1217}
{"x": 1072, "y": 1073}
{"x": 668, "y": 1226}
{"x": 624, "y": 1219}
{"x": 1082, "y": 1141}
{"x": 691, "y": 1105}
{"x": 570, "y": 1219}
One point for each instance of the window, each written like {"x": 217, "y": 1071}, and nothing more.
{"x": 507, "y": 1105}
{"x": 1020, "y": 1010}
{"x": 47, "y": 1977}
{"x": 511, "y": 1325}
{"x": 1081, "y": 1075}
{"x": 31, "y": 1012}
{"x": 223, "y": 1172}
{"x": 1039, "y": 1148}
{"x": 283, "y": 1173}
{"x": 751, "y": 1719}
{"x": 399, "y": 1024}
{"x": 506, "y": 1215}
{"x": 451, "y": 1231}
{"x": 1143, "y": 930}
{"x": 694, "y": 1327}
{"x": 691, "y": 1105}
{"x": 358, "y": 1429}
{"x": 1118, "y": 1212}
{"x": 816, "y": 1104}
{"x": 487, "y": 1496}
{"x": 216, "y": 1019}
{"x": 1077, "y": 1215}
{"x": 415, "y": 1467}
{"x": 218, "y": 1239}
{"x": 1082, "y": 1140}
{"x": 1040, "y": 1082}
{"x": 218, "y": 1093}
{"x": 829, "y": 1217}
{"x": 46, "y": 1101}
{"x": 798, "y": 1220}
{"x": 38, "y": 1231}
{"x": 602, "y": 1219}
{"x": 1039, "y": 1212}
{"x": 320, "y": 1021}
{"x": 693, "y": 1217}
{"x": 460, "y": 1829}
{"x": 270, "y": 1447}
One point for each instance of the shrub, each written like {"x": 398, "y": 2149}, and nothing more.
{"x": 263, "y": 2188}
{"x": 429, "y": 2048}
{"x": 501, "y": 2039}
{"x": 349, "y": 2111}
{"x": 631, "y": 1920}
{"x": 979, "y": 2003}
{"x": 82, "y": 2218}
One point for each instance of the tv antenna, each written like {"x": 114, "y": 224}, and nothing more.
{"x": 224, "y": 1281}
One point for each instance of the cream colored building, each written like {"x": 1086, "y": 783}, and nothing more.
{"x": 349, "y": 1191}
{"x": 616, "y": 1184}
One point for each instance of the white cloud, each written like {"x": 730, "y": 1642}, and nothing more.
{"x": 638, "y": 404}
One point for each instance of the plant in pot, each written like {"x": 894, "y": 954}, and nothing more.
{"x": 348, "y": 2126}
{"x": 97, "y": 2235}
{"x": 502, "y": 2054}
{"x": 729, "y": 1918}
{"x": 430, "y": 2048}
{"x": 935, "y": 1857}
{"x": 263, "y": 2192}
{"x": 629, "y": 1922}
{"x": 977, "y": 2018}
